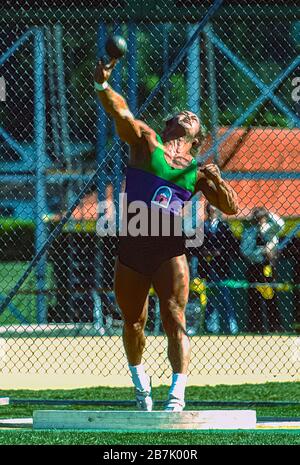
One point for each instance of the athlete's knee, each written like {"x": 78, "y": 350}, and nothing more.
{"x": 173, "y": 318}
{"x": 174, "y": 305}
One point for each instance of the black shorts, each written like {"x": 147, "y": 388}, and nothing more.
{"x": 146, "y": 254}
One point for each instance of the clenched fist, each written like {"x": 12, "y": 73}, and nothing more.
{"x": 212, "y": 172}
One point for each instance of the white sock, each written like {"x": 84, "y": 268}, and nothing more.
{"x": 139, "y": 377}
{"x": 177, "y": 388}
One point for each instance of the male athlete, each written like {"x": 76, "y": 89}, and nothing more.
{"x": 161, "y": 171}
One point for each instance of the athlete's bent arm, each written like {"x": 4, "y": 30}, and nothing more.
{"x": 217, "y": 191}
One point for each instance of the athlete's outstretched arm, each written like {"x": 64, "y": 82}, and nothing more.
{"x": 217, "y": 191}
{"x": 128, "y": 128}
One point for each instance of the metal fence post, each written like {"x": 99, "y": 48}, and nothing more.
{"x": 41, "y": 164}
{"x": 194, "y": 73}
{"x": 213, "y": 97}
{"x": 132, "y": 67}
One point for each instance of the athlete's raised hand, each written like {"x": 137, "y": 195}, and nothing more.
{"x": 103, "y": 71}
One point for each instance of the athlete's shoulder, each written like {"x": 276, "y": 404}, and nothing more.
{"x": 146, "y": 130}
{"x": 149, "y": 135}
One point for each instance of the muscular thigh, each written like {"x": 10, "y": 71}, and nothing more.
{"x": 131, "y": 290}
{"x": 171, "y": 283}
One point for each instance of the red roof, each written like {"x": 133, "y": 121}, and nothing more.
{"x": 281, "y": 197}
{"x": 87, "y": 209}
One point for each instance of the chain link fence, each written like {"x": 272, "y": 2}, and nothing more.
{"x": 234, "y": 63}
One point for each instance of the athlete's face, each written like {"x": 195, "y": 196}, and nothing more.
{"x": 185, "y": 123}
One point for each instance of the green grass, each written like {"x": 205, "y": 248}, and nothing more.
{"x": 193, "y": 438}
{"x": 10, "y": 272}
{"x": 260, "y": 392}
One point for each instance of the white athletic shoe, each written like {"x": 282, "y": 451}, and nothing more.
{"x": 174, "y": 405}
{"x": 143, "y": 398}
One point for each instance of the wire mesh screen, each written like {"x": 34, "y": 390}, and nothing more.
{"x": 236, "y": 64}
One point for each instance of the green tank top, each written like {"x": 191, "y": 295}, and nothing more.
{"x": 156, "y": 164}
